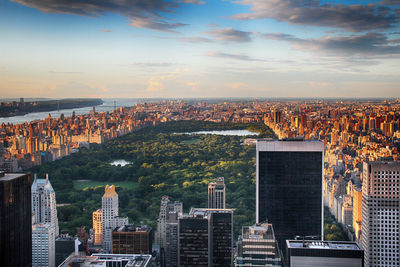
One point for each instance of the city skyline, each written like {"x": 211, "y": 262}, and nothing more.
{"x": 194, "y": 48}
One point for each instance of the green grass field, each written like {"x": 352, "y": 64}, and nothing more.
{"x": 192, "y": 141}
{"x": 83, "y": 184}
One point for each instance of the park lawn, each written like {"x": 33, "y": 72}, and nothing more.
{"x": 83, "y": 184}
{"x": 192, "y": 141}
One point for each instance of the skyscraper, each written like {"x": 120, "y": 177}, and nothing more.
{"x": 129, "y": 239}
{"x": 15, "y": 220}
{"x": 167, "y": 231}
{"x": 289, "y": 188}
{"x": 97, "y": 227}
{"x": 324, "y": 253}
{"x": 43, "y": 245}
{"x": 44, "y": 203}
{"x": 216, "y": 194}
{"x": 380, "y": 234}
{"x": 110, "y": 220}
{"x": 257, "y": 246}
{"x": 205, "y": 237}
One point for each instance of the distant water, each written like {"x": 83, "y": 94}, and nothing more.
{"x": 121, "y": 162}
{"x": 108, "y": 105}
{"x": 227, "y": 132}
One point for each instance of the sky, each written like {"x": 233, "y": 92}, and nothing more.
{"x": 199, "y": 48}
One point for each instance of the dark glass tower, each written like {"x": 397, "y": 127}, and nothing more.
{"x": 205, "y": 238}
{"x": 15, "y": 220}
{"x": 289, "y": 188}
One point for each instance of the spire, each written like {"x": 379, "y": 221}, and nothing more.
{"x": 47, "y": 178}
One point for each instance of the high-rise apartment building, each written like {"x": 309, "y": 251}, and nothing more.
{"x": 110, "y": 219}
{"x": 43, "y": 245}
{"x": 97, "y": 217}
{"x": 289, "y": 188}
{"x": 257, "y": 246}
{"x": 15, "y": 220}
{"x": 205, "y": 237}
{"x": 129, "y": 239}
{"x": 380, "y": 235}
{"x": 323, "y": 253}
{"x": 167, "y": 231}
{"x": 44, "y": 208}
{"x": 216, "y": 194}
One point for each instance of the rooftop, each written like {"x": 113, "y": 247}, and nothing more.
{"x": 310, "y": 244}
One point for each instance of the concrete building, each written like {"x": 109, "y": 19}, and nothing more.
{"x": 289, "y": 187}
{"x": 167, "y": 231}
{"x": 97, "y": 217}
{"x": 129, "y": 239}
{"x": 44, "y": 203}
{"x": 65, "y": 245}
{"x": 15, "y": 220}
{"x": 257, "y": 247}
{"x": 380, "y": 235}
{"x": 43, "y": 245}
{"x": 108, "y": 260}
{"x": 303, "y": 253}
{"x": 110, "y": 219}
{"x": 205, "y": 237}
{"x": 216, "y": 194}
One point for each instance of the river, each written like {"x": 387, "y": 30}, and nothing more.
{"x": 108, "y": 105}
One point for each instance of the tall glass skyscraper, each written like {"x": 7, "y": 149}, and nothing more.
{"x": 289, "y": 188}
{"x": 15, "y": 220}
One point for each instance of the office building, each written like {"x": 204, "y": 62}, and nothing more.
{"x": 43, "y": 245}
{"x": 129, "y": 239}
{"x": 44, "y": 203}
{"x": 97, "y": 217}
{"x": 289, "y": 188}
{"x": 257, "y": 246}
{"x": 15, "y": 220}
{"x": 167, "y": 231}
{"x": 216, "y": 194}
{"x": 110, "y": 219}
{"x": 205, "y": 237}
{"x": 108, "y": 260}
{"x": 380, "y": 235}
{"x": 303, "y": 253}
{"x": 65, "y": 245}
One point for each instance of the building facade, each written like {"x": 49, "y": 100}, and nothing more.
{"x": 15, "y": 220}
{"x": 129, "y": 239}
{"x": 206, "y": 237}
{"x": 304, "y": 253}
{"x": 167, "y": 231}
{"x": 257, "y": 247}
{"x": 216, "y": 194}
{"x": 44, "y": 203}
{"x": 97, "y": 218}
{"x": 289, "y": 188}
{"x": 110, "y": 219}
{"x": 380, "y": 235}
{"x": 43, "y": 245}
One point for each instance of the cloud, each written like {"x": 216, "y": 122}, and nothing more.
{"x": 156, "y": 24}
{"x": 312, "y": 12}
{"x": 369, "y": 44}
{"x": 231, "y": 56}
{"x": 65, "y": 72}
{"x": 152, "y": 64}
{"x": 194, "y": 39}
{"x": 154, "y": 85}
{"x": 195, "y": 2}
{"x": 106, "y": 30}
{"x": 142, "y": 13}
{"x": 230, "y": 35}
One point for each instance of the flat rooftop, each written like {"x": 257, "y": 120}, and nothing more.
{"x": 315, "y": 244}
{"x": 11, "y": 176}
